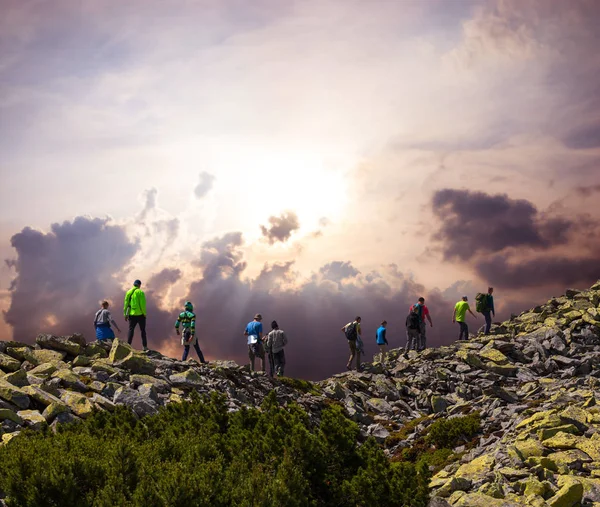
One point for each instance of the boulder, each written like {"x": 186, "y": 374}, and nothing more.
{"x": 161, "y": 386}
{"x": 119, "y": 350}
{"x": 133, "y": 399}
{"x": 72, "y": 345}
{"x": 40, "y": 396}
{"x": 54, "y": 409}
{"x": 33, "y": 419}
{"x": 78, "y": 403}
{"x": 188, "y": 378}
{"x": 8, "y": 363}
{"x": 8, "y": 414}
{"x": 69, "y": 380}
{"x": 136, "y": 362}
{"x": 17, "y": 378}
{"x": 13, "y": 395}
{"x": 569, "y": 495}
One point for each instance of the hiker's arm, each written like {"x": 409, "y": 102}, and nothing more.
{"x": 112, "y": 321}
{"x": 177, "y": 322}
{"x": 142, "y": 301}
{"x": 193, "y": 325}
{"x": 429, "y": 319}
{"x": 454, "y": 315}
{"x": 471, "y": 312}
{"x": 126, "y": 303}
{"x": 285, "y": 340}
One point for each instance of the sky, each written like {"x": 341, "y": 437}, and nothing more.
{"x": 308, "y": 160}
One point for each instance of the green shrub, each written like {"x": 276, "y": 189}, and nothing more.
{"x": 445, "y": 433}
{"x": 199, "y": 454}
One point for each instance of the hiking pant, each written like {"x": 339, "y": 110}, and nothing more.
{"x": 463, "y": 331}
{"x": 256, "y": 350}
{"x": 487, "y": 315}
{"x": 422, "y": 343}
{"x": 279, "y": 360}
{"x": 134, "y": 320}
{"x": 271, "y": 364}
{"x": 382, "y": 352}
{"x": 353, "y": 353}
{"x": 412, "y": 338}
{"x": 194, "y": 343}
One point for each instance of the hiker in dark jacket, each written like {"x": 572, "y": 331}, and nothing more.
{"x": 352, "y": 331}
{"x": 275, "y": 342}
{"x": 489, "y": 310}
{"x": 413, "y": 330}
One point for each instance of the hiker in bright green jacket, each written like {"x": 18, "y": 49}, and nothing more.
{"x": 187, "y": 320}
{"x": 134, "y": 310}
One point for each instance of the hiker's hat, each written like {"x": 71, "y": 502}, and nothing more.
{"x": 258, "y": 316}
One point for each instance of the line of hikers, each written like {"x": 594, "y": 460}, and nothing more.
{"x": 273, "y": 344}
{"x": 416, "y": 327}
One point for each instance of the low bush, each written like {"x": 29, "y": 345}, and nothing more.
{"x": 446, "y": 433}
{"x": 200, "y": 454}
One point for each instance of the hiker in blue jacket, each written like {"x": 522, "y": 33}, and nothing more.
{"x": 382, "y": 341}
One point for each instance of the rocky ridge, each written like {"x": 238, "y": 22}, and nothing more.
{"x": 534, "y": 382}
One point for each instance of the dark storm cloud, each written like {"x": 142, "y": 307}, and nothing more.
{"x": 588, "y": 191}
{"x": 204, "y": 185}
{"x": 540, "y": 271}
{"x": 511, "y": 244}
{"x": 473, "y": 223}
{"x": 281, "y": 227}
{"x": 61, "y": 275}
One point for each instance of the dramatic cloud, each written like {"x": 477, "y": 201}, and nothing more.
{"x": 511, "y": 244}
{"x": 281, "y": 227}
{"x": 474, "y": 222}
{"x": 338, "y": 271}
{"x": 63, "y": 274}
{"x": 205, "y": 184}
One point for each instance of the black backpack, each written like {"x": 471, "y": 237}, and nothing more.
{"x": 351, "y": 333}
{"x": 413, "y": 321}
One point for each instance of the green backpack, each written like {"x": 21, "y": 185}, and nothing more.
{"x": 480, "y": 302}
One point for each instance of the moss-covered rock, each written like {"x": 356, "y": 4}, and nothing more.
{"x": 8, "y": 414}
{"x": 33, "y": 419}
{"x": 491, "y": 354}
{"x": 477, "y": 469}
{"x": 8, "y": 363}
{"x": 547, "y": 433}
{"x": 119, "y": 350}
{"x": 569, "y": 495}
{"x": 40, "y": 396}
{"x": 52, "y": 410}
{"x": 17, "y": 378}
{"x": 13, "y": 395}
{"x": 78, "y": 403}
{"x": 136, "y": 362}
{"x": 70, "y": 380}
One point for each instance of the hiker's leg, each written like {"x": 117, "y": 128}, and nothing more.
{"x": 281, "y": 367}
{"x": 143, "y": 329}
{"x": 251, "y": 356}
{"x": 352, "y": 345}
{"x": 186, "y": 351}
{"x": 423, "y": 343}
{"x": 199, "y": 352}
{"x": 488, "y": 321}
{"x": 132, "y": 324}
{"x": 357, "y": 360}
{"x": 383, "y": 353}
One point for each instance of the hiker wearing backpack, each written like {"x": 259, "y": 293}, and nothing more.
{"x": 352, "y": 331}
{"x": 423, "y": 312}
{"x": 382, "y": 341}
{"x": 413, "y": 330}
{"x": 484, "y": 304}
{"x": 460, "y": 312}
{"x": 275, "y": 342}
{"x": 187, "y": 320}
{"x": 134, "y": 310}
{"x": 254, "y": 332}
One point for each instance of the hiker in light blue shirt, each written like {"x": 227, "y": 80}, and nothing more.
{"x": 254, "y": 332}
{"x": 382, "y": 341}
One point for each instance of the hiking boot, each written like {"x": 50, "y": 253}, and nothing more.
{"x": 146, "y": 349}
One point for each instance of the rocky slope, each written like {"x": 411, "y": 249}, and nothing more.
{"x": 533, "y": 381}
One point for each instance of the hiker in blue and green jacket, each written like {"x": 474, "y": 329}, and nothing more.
{"x": 187, "y": 320}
